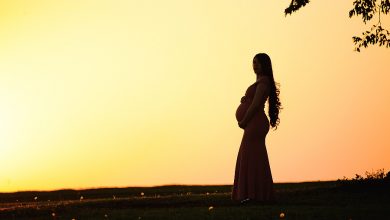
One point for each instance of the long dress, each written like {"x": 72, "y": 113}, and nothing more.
{"x": 253, "y": 178}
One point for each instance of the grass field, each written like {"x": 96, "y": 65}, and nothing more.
{"x": 308, "y": 200}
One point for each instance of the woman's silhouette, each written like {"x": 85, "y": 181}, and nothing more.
{"x": 253, "y": 178}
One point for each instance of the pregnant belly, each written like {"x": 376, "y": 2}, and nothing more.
{"x": 241, "y": 110}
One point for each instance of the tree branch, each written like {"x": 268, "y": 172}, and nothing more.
{"x": 367, "y": 9}
{"x": 294, "y": 6}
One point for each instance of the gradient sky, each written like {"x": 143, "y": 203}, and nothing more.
{"x": 144, "y": 93}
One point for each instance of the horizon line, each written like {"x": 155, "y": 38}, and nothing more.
{"x": 151, "y": 186}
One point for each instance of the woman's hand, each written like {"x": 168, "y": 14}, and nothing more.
{"x": 242, "y": 125}
{"x": 243, "y": 99}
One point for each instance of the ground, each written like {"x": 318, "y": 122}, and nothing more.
{"x": 308, "y": 200}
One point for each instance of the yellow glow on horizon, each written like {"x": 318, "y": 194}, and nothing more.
{"x": 142, "y": 93}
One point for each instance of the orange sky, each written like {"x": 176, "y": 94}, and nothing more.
{"x": 144, "y": 93}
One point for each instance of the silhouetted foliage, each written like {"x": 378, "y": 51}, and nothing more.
{"x": 367, "y": 9}
{"x": 295, "y": 5}
{"x": 376, "y": 35}
{"x": 374, "y": 181}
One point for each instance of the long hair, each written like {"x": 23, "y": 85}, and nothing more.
{"x": 274, "y": 105}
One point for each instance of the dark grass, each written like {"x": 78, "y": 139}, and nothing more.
{"x": 308, "y": 200}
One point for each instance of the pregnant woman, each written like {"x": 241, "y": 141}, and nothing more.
{"x": 253, "y": 178}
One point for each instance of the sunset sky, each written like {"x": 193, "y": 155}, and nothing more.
{"x": 144, "y": 93}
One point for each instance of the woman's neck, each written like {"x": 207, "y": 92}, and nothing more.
{"x": 259, "y": 77}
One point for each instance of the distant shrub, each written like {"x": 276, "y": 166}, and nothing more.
{"x": 375, "y": 180}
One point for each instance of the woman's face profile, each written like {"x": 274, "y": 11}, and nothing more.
{"x": 256, "y": 66}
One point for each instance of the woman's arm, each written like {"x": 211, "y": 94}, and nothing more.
{"x": 261, "y": 89}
